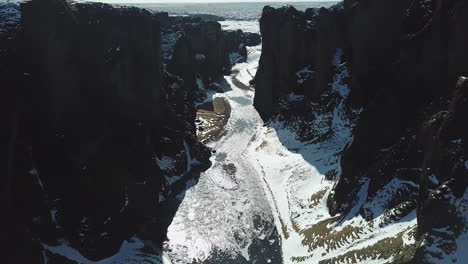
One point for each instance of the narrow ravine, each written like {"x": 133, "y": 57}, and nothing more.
{"x": 264, "y": 200}
{"x": 227, "y": 212}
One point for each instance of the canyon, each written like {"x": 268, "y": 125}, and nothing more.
{"x": 339, "y": 136}
{"x": 404, "y": 67}
{"x": 101, "y": 115}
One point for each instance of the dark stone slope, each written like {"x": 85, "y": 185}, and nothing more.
{"x": 100, "y": 103}
{"x": 405, "y": 59}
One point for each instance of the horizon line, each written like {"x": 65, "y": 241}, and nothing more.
{"x": 202, "y": 1}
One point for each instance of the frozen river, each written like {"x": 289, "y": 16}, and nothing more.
{"x": 226, "y": 215}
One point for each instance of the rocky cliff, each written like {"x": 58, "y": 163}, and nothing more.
{"x": 101, "y": 123}
{"x": 295, "y": 41}
{"x": 405, "y": 62}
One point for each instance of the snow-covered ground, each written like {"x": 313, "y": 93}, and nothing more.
{"x": 295, "y": 178}
{"x": 439, "y": 249}
{"x": 252, "y": 26}
{"x": 10, "y": 16}
{"x": 220, "y": 211}
{"x": 284, "y": 181}
{"x": 131, "y": 252}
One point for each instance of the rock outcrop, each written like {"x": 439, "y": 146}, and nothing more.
{"x": 237, "y": 42}
{"x": 101, "y": 133}
{"x": 295, "y": 42}
{"x": 190, "y": 42}
{"x": 420, "y": 68}
{"x": 405, "y": 59}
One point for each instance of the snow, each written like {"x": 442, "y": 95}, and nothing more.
{"x": 304, "y": 74}
{"x": 294, "y": 97}
{"x": 293, "y": 171}
{"x": 461, "y": 252}
{"x": 168, "y": 42}
{"x": 433, "y": 179}
{"x": 10, "y": 16}
{"x": 380, "y": 201}
{"x": 408, "y": 237}
{"x": 293, "y": 177}
{"x": 278, "y": 178}
{"x": 246, "y": 26}
{"x": 338, "y": 83}
{"x": 200, "y": 84}
{"x": 165, "y": 163}
{"x": 130, "y": 252}
{"x": 246, "y": 71}
{"x": 126, "y": 201}
{"x": 35, "y": 173}
{"x": 188, "y": 156}
{"x": 438, "y": 252}
{"x": 200, "y": 58}
{"x": 286, "y": 177}
{"x": 173, "y": 179}
{"x": 234, "y": 200}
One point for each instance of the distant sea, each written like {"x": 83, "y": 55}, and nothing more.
{"x": 229, "y": 11}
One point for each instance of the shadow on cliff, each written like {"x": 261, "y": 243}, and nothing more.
{"x": 322, "y": 155}
{"x": 169, "y": 207}
{"x": 319, "y": 131}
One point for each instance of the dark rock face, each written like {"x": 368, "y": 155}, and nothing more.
{"x": 98, "y": 97}
{"x": 405, "y": 59}
{"x": 237, "y": 42}
{"x": 89, "y": 126}
{"x": 444, "y": 177}
{"x": 293, "y": 41}
{"x": 206, "y": 40}
{"x": 193, "y": 43}
{"x": 92, "y": 124}
{"x": 420, "y": 72}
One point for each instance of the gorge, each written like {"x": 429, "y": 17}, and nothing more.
{"x": 342, "y": 137}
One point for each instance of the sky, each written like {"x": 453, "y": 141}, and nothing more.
{"x": 199, "y": 1}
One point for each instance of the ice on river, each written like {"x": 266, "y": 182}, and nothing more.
{"x": 222, "y": 210}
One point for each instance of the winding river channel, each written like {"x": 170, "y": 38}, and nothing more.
{"x": 226, "y": 215}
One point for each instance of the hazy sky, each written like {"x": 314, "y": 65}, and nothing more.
{"x": 198, "y": 1}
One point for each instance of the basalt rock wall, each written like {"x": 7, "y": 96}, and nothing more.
{"x": 405, "y": 59}
{"x": 295, "y": 41}
{"x": 101, "y": 115}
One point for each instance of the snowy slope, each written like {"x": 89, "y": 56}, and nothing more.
{"x": 297, "y": 178}
{"x": 131, "y": 252}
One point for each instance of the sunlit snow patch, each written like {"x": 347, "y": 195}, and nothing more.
{"x": 131, "y": 252}
{"x": 246, "y": 26}
{"x": 299, "y": 176}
